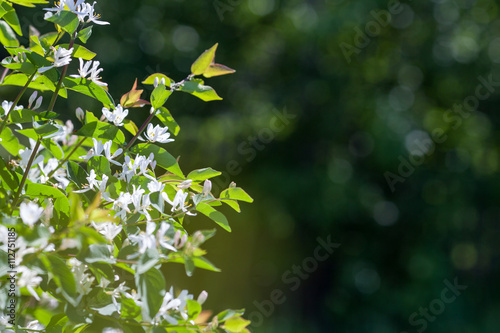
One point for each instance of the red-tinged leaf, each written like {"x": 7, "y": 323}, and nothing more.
{"x": 132, "y": 99}
{"x": 217, "y": 69}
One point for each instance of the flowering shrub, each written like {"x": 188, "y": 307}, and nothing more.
{"x": 89, "y": 215}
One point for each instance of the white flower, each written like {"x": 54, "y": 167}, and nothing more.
{"x": 62, "y": 57}
{"x": 29, "y": 279}
{"x": 117, "y": 292}
{"x": 38, "y": 102}
{"x": 157, "y": 81}
{"x": 84, "y": 280}
{"x": 171, "y": 304}
{"x": 141, "y": 202}
{"x": 6, "y": 105}
{"x": 100, "y": 148}
{"x": 4, "y": 323}
{"x": 120, "y": 205}
{"x": 203, "y": 297}
{"x": 35, "y": 325}
{"x": 117, "y": 116}
{"x": 92, "y": 182}
{"x": 26, "y": 153}
{"x": 107, "y": 229}
{"x": 158, "y": 134}
{"x": 185, "y": 184}
{"x": 80, "y": 115}
{"x": 207, "y": 187}
{"x": 162, "y": 240}
{"x": 155, "y": 186}
{"x": 179, "y": 202}
{"x": 140, "y": 162}
{"x": 30, "y": 213}
{"x": 85, "y": 70}
{"x": 178, "y": 240}
{"x": 71, "y": 4}
{"x": 146, "y": 240}
{"x": 88, "y": 10}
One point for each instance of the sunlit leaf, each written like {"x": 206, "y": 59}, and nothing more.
{"x": 204, "y": 60}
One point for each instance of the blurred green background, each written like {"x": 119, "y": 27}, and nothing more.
{"x": 322, "y": 171}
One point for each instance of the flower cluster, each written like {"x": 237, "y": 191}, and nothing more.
{"x": 92, "y": 213}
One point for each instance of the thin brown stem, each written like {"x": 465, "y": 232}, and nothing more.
{"x": 14, "y": 104}
{"x": 67, "y": 157}
{"x": 63, "y": 75}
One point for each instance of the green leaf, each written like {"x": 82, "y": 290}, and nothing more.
{"x": 100, "y": 164}
{"x": 214, "y": 215}
{"x": 48, "y": 39}
{"x": 151, "y": 79}
{"x": 226, "y": 314}
{"x": 102, "y": 130}
{"x": 9, "y": 179}
{"x": 159, "y": 96}
{"x": 102, "y": 269}
{"x": 96, "y": 253}
{"x": 85, "y": 34}
{"x": 147, "y": 260}
{"x": 28, "y": 3}
{"x": 89, "y": 88}
{"x": 236, "y": 193}
{"x": 54, "y": 148}
{"x": 204, "y": 60}
{"x": 24, "y": 67}
{"x": 61, "y": 209}
{"x": 77, "y": 174}
{"x": 162, "y": 157}
{"x": 68, "y": 21}
{"x": 189, "y": 266}
{"x": 233, "y": 204}
{"x": 42, "y": 83}
{"x": 205, "y": 93}
{"x": 217, "y": 70}
{"x": 11, "y": 18}
{"x": 23, "y": 116}
{"x": 36, "y": 46}
{"x": 200, "y": 262}
{"x": 57, "y": 323}
{"x": 151, "y": 289}
{"x": 166, "y": 118}
{"x": 202, "y": 174}
{"x": 204, "y": 263}
{"x": 80, "y": 51}
{"x": 7, "y": 35}
{"x": 10, "y": 141}
{"x": 35, "y": 190}
{"x": 129, "y": 310}
{"x": 90, "y": 117}
{"x": 45, "y": 130}
{"x": 62, "y": 275}
{"x": 3, "y": 11}
{"x": 29, "y": 132}
{"x": 236, "y": 324}
{"x": 130, "y": 126}
{"x": 193, "y": 309}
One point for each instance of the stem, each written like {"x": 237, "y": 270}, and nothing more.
{"x": 63, "y": 75}
{"x": 25, "y": 176}
{"x": 67, "y": 157}
{"x": 14, "y": 104}
{"x": 140, "y": 130}
{"x": 4, "y": 74}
